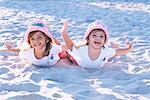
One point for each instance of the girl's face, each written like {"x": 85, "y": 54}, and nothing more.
{"x": 38, "y": 41}
{"x": 96, "y": 39}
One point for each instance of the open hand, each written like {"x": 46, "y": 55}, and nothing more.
{"x": 129, "y": 45}
{"x": 8, "y": 44}
{"x": 65, "y": 26}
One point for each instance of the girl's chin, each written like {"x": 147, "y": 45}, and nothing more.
{"x": 39, "y": 49}
{"x": 98, "y": 47}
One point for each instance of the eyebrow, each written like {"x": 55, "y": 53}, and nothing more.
{"x": 38, "y": 35}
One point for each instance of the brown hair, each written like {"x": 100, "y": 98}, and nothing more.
{"x": 48, "y": 45}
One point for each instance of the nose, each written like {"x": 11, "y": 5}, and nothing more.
{"x": 98, "y": 37}
{"x": 36, "y": 40}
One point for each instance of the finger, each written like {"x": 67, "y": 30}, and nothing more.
{"x": 8, "y": 45}
{"x": 64, "y": 28}
{"x": 65, "y": 23}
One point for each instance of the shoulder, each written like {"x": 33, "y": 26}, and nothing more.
{"x": 109, "y": 48}
{"x": 27, "y": 53}
{"x": 56, "y": 48}
{"x": 109, "y": 51}
{"x": 80, "y": 48}
{"x": 79, "y": 44}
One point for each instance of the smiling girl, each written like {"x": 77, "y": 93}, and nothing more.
{"x": 93, "y": 53}
{"x": 42, "y": 48}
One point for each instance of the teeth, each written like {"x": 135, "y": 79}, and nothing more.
{"x": 97, "y": 42}
{"x": 37, "y": 44}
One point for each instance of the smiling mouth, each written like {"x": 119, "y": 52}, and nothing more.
{"x": 97, "y": 43}
{"x": 36, "y": 44}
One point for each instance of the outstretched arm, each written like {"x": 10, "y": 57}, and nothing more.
{"x": 65, "y": 35}
{"x": 10, "y": 48}
{"x": 124, "y": 51}
{"x": 56, "y": 41}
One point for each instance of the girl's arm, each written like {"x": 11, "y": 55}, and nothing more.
{"x": 124, "y": 51}
{"x": 65, "y": 36}
{"x": 56, "y": 41}
{"x": 11, "y": 50}
{"x": 64, "y": 47}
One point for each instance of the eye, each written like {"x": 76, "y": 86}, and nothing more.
{"x": 101, "y": 36}
{"x": 94, "y": 35}
{"x": 32, "y": 39}
{"x": 39, "y": 37}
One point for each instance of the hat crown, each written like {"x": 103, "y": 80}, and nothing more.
{"x": 38, "y": 25}
{"x": 96, "y": 25}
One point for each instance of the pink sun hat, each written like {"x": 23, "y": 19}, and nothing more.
{"x": 38, "y": 25}
{"x": 96, "y": 25}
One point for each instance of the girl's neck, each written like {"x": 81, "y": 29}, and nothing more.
{"x": 93, "y": 53}
{"x": 38, "y": 54}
